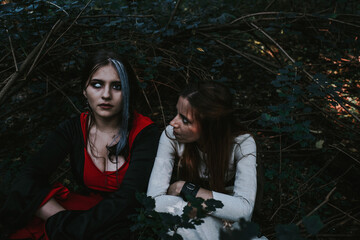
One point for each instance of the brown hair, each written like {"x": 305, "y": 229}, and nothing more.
{"x": 212, "y": 108}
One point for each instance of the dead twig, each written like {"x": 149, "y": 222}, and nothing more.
{"x": 117, "y": 15}
{"x": 280, "y": 167}
{"x": 317, "y": 173}
{"x": 42, "y": 46}
{"x": 24, "y": 65}
{"x": 296, "y": 14}
{"x": 4, "y": 57}
{"x": 337, "y": 236}
{"x": 241, "y": 54}
{"x": 276, "y": 43}
{"x": 147, "y": 100}
{"x": 61, "y": 8}
{"x": 173, "y": 13}
{"x": 29, "y": 103}
{"x": 253, "y": 15}
{"x": 12, "y": 51}
{"x": 160, "y": 102}
{"x": 347, "y": 154}
{"x": 64, "y": 94}
{"x": 304, "y": 71}
{"x": 73, "y": 22}
{"x": 345, "y": 213}
{"x": 328, "y": 115}
{"x": 319, "y": 206}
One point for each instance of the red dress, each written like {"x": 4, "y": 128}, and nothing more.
{"x": 108, "y": 181}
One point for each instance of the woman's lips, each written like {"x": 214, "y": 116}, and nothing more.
{"x": 105, "y": 106}
{"x": 176, "y": 134}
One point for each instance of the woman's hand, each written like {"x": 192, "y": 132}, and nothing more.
{"x": 175, "y": 188}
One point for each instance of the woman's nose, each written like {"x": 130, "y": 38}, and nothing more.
{"x": 106, "y": 93}
{"x": 175, "y": 122}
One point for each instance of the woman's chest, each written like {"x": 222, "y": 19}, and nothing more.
{"x": 98, "y": 150}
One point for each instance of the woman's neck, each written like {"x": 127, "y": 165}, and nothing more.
{"x": 107, "y": 125}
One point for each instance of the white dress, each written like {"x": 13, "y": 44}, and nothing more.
{"x": 240, "y": 204}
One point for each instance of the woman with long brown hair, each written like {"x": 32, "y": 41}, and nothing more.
{"x": 111, "y": 148}
{"x": 204, "y": 153}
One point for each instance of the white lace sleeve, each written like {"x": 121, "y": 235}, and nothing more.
{"x": 241, "y": 203}
{"x": 161, "y": 175}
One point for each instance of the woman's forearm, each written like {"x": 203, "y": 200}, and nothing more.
{"x": 204, "y": 194}
{"x": 48, "y": 209}
{"x": 176, "y": 187}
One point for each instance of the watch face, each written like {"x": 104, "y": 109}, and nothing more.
{"x": 190, "y": 186}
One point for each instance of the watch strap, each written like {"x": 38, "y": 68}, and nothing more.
{"x": 189, "y": 189}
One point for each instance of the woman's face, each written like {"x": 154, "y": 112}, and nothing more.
{"x": 186, "y": 128}
{"x": 103, "y": 92}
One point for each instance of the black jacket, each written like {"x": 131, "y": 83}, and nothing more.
{"x": 103, "y": 221}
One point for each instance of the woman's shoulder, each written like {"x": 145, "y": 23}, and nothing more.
{"x": 141, "y": 119}
{"x": 244, "y": 138}
{"x": 143, "y": 129}
{"x": 168, "y": 137}
{"x": 244, "y": 145}
{"x": 168, "y": 131}
{"x": 143, "y": 125}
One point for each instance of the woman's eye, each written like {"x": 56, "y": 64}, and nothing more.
{"x": 117, "y": 86}
{"x": 96, "y": 85}
{"x": 185, "y": 121}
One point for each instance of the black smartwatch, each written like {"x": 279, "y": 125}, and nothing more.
{"x": 189, "y": 189}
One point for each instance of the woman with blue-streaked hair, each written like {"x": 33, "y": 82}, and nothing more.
{"x": 111, "y": 148}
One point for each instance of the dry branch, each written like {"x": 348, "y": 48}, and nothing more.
{"x": 319, "y": 206}
{"x": 241, "y": 54}
{"x": 12, "y": 51}
{"x": 24, "y": 66}
{"x": 173, "y": 13}
{"x": 304, "y": 71}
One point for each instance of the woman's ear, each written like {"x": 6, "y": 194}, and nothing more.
{"x": 84, "y": 93}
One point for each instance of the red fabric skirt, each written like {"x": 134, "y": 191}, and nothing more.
{"x": 70, "y": 201}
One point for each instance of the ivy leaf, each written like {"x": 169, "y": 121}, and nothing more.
{"x": 146, "y": 201}
{"x": 288, "y": 232}
{"x": 212, "y": 204}
{"x": 188, "y": 225}
{"x": 222, "y": 79}
{"x": 313, "y": 224}
{"x": 218, "y": 63}
{"x": 170, "y": 219}
{"x": 247, "y": 231}
{"x": 197, "y": 221}
{"x": 169, "y": 32}
{"x": 284, "y": 71}
{"x": 177, "y": 236}
{"x": 319, "y": 144}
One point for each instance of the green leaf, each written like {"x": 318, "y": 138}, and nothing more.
{"x": 247, "y": 231}
{"x": 313, "y": 224}
{"x": 212, "y": 204}
{"x": 319, "y": 144}
{"x": 288, "y": 232}
{"x": 147, "y": 202}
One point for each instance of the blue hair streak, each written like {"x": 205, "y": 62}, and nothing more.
{"x": 125, "y": 90}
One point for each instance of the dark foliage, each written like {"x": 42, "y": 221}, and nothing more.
{"x": 291, "y": 65}
{"x": 149, "y": 224}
